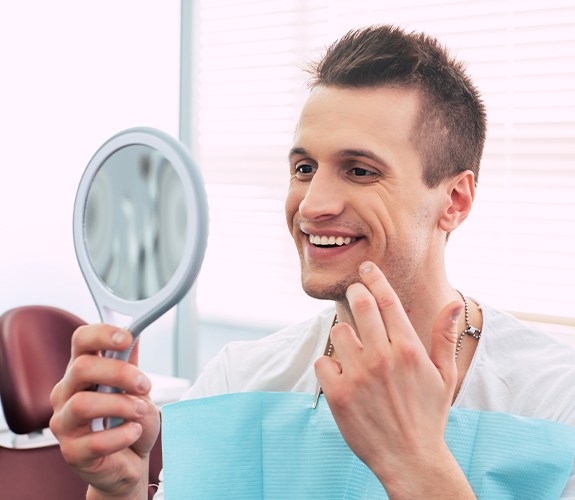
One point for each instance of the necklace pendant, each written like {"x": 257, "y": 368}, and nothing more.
{"x": 474, "y": 332}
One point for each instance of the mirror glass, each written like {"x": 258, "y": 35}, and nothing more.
{"x": 135, "y": 222}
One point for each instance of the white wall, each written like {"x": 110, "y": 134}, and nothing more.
{"x": 73, "y": 74}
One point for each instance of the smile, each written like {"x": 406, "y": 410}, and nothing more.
{"x": 330, "y": 241}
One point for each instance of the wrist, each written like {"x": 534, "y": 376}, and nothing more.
{"x": 138, "y": 493}
{"x": 124, "y": 490}
{"x": 432, "y": 476}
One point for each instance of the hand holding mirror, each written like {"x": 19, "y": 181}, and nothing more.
{"x": 140, "y": 229}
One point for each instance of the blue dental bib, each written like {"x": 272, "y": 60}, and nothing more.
{"x": 267, "y": 445}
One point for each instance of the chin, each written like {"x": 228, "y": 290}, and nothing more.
{"x": 327, "y": 290}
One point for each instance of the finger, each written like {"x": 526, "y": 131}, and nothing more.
{"x": 397, "y": 324}
{"x": 92, "y": 339}
{"x": 346, "y": 343}
{"x": 85, "y": 449}
{"x": 328, "y": 371}
{"x": 83, "y": 407}
{"x": 368, "y": 320}
{"x": 444, "y": 341}
{"x": 87, "y": 371}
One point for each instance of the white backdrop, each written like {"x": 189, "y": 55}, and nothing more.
{"x": 73, "y": 74}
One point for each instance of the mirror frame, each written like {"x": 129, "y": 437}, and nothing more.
{"x": 135, "y": 315}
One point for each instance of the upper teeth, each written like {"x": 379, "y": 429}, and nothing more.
{"x": 330, "y": 240}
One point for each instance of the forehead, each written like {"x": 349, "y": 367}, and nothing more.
{"x": 365, "y": 117}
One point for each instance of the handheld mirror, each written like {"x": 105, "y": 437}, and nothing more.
{"x": 140, "y": 229}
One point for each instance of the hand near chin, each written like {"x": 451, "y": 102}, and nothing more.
{"x": 389, "y": 397}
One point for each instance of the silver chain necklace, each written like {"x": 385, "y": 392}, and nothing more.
{"x": 469, "y": 330}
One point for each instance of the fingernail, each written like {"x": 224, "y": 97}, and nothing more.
{"x": 119, "y": 337}
{"x": 365, "y": 268}
{"x": 143, "y": 384}
{"x": 140, "y": 408}
{"x": 136, "y": 429}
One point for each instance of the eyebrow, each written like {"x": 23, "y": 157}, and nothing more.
{"x": 297, "y": 152}
{"x": 343, "y": 153}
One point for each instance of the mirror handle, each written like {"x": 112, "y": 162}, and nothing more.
{"x": 101, "y": 423}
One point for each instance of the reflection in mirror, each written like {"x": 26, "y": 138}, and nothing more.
{"x": 135, "y": 222}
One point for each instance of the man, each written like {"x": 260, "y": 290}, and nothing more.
{"x": 383, "y": 167}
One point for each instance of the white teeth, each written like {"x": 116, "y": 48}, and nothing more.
{"x": 330, "y": 240}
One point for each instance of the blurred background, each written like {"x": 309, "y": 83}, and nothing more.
{"x": 226, "y": 76}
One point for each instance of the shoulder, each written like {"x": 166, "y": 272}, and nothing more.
{"x": 282, "y": 361}
{"x": 507, "y": 338}
{"x": 522, "y": 370}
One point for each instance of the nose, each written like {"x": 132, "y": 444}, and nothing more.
{"x": 324, "y": 196}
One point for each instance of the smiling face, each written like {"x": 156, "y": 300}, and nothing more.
{"x": 356, "y": 192}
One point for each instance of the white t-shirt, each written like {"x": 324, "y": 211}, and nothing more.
{"x": 515, "y": 369}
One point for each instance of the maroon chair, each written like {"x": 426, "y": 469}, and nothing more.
{"x": 34, "y": 352}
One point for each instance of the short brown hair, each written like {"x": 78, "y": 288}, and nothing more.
{"x": 451, "y": 131}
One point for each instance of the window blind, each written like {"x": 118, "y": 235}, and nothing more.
{"x": 517, "y": 249}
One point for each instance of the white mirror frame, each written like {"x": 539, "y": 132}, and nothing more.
{"x": 135, "y": 315}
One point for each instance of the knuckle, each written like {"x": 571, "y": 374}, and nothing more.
{"x": 340, "y": 399}
{"x": 96, "y": 446}
{"x": 77, "y": 404}
{"x": 78, "y": 334}
{"x": 386, "y": 301}
{"x": 379, "y": 364}
{"x": 318, "y": 363}
{"x": 338, "y": 332}
{"x": 54, "y": 423}
{"x": 362, "y": 302}
{"x": 80, "y": 365}
{"x": 55, "y": 394}
{"x": 410, "y": 354}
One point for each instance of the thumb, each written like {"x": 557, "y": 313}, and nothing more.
{"x": 444, "y": 341}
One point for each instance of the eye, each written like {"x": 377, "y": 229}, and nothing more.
{"x": 304, "y": 170}
{"x": 361, "y": 172}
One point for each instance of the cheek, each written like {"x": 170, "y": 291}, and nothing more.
{"x": 291, "y": 206}
{"x": 377, "y": 216}
{"x": 397, "y": 221}
{"x": 418, "y": 228}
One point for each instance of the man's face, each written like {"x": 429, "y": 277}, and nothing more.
{"x": 356, "y": 191}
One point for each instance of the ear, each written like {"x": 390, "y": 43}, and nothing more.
{"x": 460, "y": 193}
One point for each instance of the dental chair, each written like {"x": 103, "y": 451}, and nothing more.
{"x": 34, "y": 352}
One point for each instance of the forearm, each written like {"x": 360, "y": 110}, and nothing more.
{"x": 437, "y": 478}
